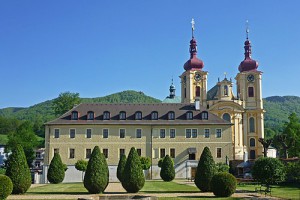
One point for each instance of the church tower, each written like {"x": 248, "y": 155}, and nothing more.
{"x": 193, "y": 80}
{"x": 249, "y": 92}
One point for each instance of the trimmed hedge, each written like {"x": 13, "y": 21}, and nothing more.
{"x": 120, "y": 169}
{"x": 133, "y": 173}
{"x": 97, "y": 175}
{"x": 56, "y": 171}
{"x": 18, "y": 171}
{"x": 205, "y": 170}
{"x": 167, "y": 172}
{"x": 6, "y": 187}
{"x": 223, "y": 184}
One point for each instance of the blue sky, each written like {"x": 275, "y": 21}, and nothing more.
{"x": 98, "y": 48}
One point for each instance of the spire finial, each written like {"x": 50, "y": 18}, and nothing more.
{"x": 247, "y": 29}
{"x": 172, "y": 80}
{"x": 193, "y": 27}
{"x": 225, "y": 73}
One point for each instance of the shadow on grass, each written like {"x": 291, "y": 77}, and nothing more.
{"x": 158, "y": 192}
{"x": 54, "y": 193}
{"x": 208, "y": 197}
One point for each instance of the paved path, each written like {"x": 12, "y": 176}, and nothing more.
{"x": 116, "y": 190}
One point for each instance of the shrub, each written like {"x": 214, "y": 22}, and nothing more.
{"x": 268, "y": 170}
{"x": 56, "y": 171}
{"x": 6, "y": 186}
{"x": 205, "y": 170}
{"x": 133, "y": 173}
{"x": 167, "y": 172}
{"x": 223, "y": 184}
{"x": 81, "y": 165}
{"x": 120, "y": 169}
{"x": 222, "y": 167}
{"x": 293, "y": 172}
{"x": 97, "y": 175}
{"x": 160, "y": 162}
{"x": 146, "y": 162}
{"x": 18, "y": 171}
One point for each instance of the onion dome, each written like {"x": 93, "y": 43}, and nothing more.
{"x": 248, "y": 64}
{"x": 193, "y": 62}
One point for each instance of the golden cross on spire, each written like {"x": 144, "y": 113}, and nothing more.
{"x": 193, "y": 26}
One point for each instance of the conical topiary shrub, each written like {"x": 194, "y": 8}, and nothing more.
{"x": 167, "y": 172}
{"x": 205, "y": 170}
{"x": 97, "y": 175}
{"x": 120, "y": 169}
{"x": 56, "y": 171}
{"x": 134, "y": 179}
{"x": 18, "y": 171}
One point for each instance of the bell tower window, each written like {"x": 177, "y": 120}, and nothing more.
{"x": 250, "y": 92}
{"x": 225, "y": 90}
{"x": 252, "y": 125}
{"x": 197, "y": 91}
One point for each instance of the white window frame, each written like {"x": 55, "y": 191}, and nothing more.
{"x": 190, "y": 132}
{"x": 74, "y": 133}
{"x": 136, "y": 132}
{"x": 217, "y": 132}
{"x": 160, "y": 132}
{"x": 86, "y": 133}
{"x": 107, "y": 133}
{"x": 58, "y": 133}
{"x": 174, "y": 132}
{"x": 208, "y": 132}
{"x": 217, "y": 152}
{"x": 120, "y": 133}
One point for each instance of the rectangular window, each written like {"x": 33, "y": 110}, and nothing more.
{"x": 72, "y": 133}
{"x": 88, "y": 133}
{"x": 162, "y": 133}
{"x": 105, "y": 153}
{"x": 162, "y": 153}
{"x": 72, "y": 153}
{"x": 88, "y": 153}
{"x": 139, "y": 151}
{"x": 172, "y": 153}
{"x": 105, "y": 133}
{"x": 138, "y": 133}
{"x": 188, "y": 133}
{"x": 122, "y": 133}
{"x": 218, "y": 133}
{"x": 219, "y": 152}
{"x": 122, "y": 152}
{"x": 250, "y": 92}
{"x": 56, "y": 150}
{"x": 194, "y": 133}
{"x": 172, "y": 133}
{"x": 206, "y": 133}
{"x": 56, "y": 133}
{"x": 37, "y": 154}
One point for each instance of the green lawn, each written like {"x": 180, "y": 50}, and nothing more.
{"x": 284, "y": 191}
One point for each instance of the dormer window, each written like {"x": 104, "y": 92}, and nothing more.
{"x": 154, "y": 115}
{"x": 122, "y": 115}
{"x": 189, "y": 115}
{"x": 138, "y": 115}
{"x": 74, "y": 115}
{"x": 171, "y": 115}
{"x": 106, "y": 115}
{"x": 90, "y": 115}
{"x": 204, "y": 115}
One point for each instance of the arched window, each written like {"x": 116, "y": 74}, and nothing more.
{"x": 189, "y": 115}
{"x": 138, "y": 115}
{"x": 197, "y": 91}
{"x": 106, "y": 115}
{"x": 226, "y": 117}
{"x": 204, "y": 115}
{"x": 252, "y": 142}
{"x": 252, "y": 125}
{"x": 225, "y": 90}
{"x": 90, "y": 115}
{"x": 74, "y": 115}
{"x": 122, "y": 115}
{"x": 171, "y": 115}
{"x": 252, "y": 154}
{"x": 154, "y": 115}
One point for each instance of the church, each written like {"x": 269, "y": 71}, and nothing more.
{"x": 229, "y": 124}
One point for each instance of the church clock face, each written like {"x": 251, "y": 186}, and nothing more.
{"x": 197, "y": 77}
{"x": 250, "y": 78}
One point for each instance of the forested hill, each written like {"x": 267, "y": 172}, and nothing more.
{"x": 277, "y": 108}
{"x": 44, "y": 112}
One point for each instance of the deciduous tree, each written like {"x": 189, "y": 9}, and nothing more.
{"x": 65, "y": 102}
